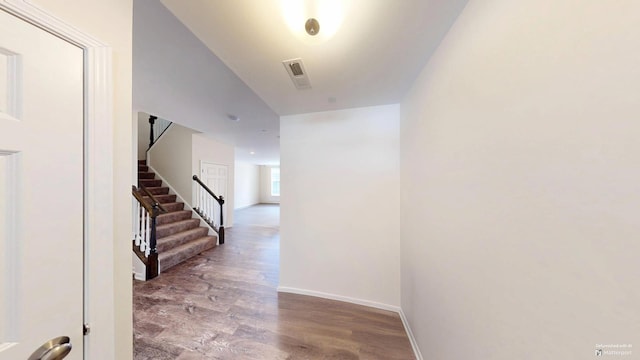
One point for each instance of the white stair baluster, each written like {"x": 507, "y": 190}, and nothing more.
{"x": 196, "y": 197}
{"x": 210, "y": 208}
{"x": 133, "y": 222}
{"x": 147, "y": 234}
{"x": 136, "y": 222}
{"x": 206, "y": 210}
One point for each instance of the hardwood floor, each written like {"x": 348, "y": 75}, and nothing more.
{"x": 223, "y": 304}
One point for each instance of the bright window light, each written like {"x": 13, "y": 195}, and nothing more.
{"x": 275, "y": 181}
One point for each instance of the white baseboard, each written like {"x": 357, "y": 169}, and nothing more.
{"x": 412, "y": 339}
{"x": 319, "y": 294}
{"x": 373, "y": 304}
{"x": 138, "y": 268}
{"x": 245, "y": 207}
{"x": 139, "y": 276}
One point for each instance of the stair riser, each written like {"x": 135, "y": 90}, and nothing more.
{"x": 150, "y": 183}
{"x": 181, "y": 238}
{"x": 143, "y": 168}
{"x": 158, "y": 190}
{"x": 174, "y": 228}
{"x": 173, "y": 206}
{"x": 163, "y": 199}
{"x": 200, "y": 245}
{"x": 173, "y": 217}
{"x": 146, "y": 175}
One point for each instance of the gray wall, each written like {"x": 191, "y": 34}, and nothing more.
{"x": 176, "y": 77}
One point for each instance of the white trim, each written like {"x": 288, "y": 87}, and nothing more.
{"x": 42, "y": 18}
{"x": 14, "y": 85}
{"x": 412, "y": 339}
{"x": 137, "y": 274}
{"x": 319, "y": 294}
{"x": 98, "y": 122}
{"x": 99, "y": 251}
{"x": 11, "y": 329}
{"x": 245, "y": 207}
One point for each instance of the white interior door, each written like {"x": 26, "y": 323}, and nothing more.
{"x": 41, "y": 190}
{"x": 215, "y": 177}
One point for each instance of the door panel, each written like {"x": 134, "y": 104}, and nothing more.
{"x": 41, "y": 181}
{"x": 215, "y": 177}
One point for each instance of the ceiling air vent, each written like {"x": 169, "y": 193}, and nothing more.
{"x": 296, "y": 69}
{"x": 297, "y": 73}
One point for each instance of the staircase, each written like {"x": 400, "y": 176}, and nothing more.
{"x": 179, "y": 237}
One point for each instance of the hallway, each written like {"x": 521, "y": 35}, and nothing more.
{"x": 223, "y": 304}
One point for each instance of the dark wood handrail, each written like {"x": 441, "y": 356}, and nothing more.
{"x": 154, "y": 201}
{"x": 219, "y": 199}
{"x": 145, "y": 204}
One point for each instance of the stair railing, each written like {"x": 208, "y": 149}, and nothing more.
{"x": 209, "y": 206}
{"x": 157, "y": 127}
{"x": 145, "y": 212}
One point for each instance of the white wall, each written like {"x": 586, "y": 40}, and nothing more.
{"x": 340, "y": 204}
{"x": 247, "y": 184}
{"x": 206, "y": 149}
{"x": 265, "y": 186}
{"x": 521, "y": 183}
{"x": 111, "y": 22}
{"x": 177, "y": 156}
{"x": 171, "y": 157}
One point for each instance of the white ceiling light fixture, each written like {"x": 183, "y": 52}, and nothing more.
{"x": 319, "y": 18}
{"x": 312, "y": 26}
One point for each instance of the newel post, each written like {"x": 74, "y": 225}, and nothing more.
{"x": 152, "y": 121}
{"x": 221, "y": 230}
{"x": 152, "y": 266}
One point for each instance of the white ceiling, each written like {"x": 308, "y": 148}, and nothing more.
{"x": 373, "y": 58}
{"x": 198, "y": 61}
